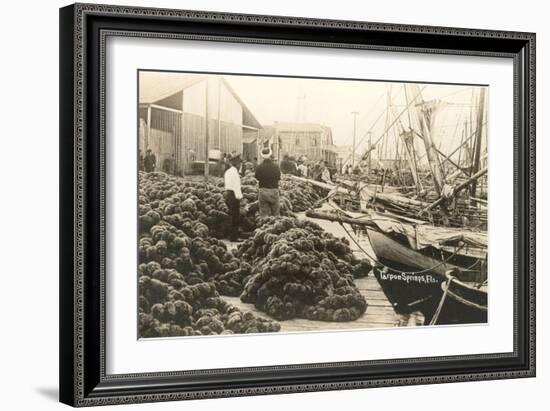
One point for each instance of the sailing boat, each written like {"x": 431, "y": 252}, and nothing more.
{"x": 438, "y": 270}
{"x": 407, "y": 188}
{"x": 445, "y": 280}
{"x": 431, "y": 256}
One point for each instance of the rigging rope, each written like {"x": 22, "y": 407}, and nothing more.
{"x": 374, "y": 259}
{"x": 394, "y": 269}
{"x": 435, "y": 317}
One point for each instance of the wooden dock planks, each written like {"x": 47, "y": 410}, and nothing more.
{"x": 379, "y": 314}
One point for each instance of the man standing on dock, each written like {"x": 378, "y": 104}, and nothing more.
{"x": 150, "y": 161}
{"x": 268, "y": 175}
{"x": 324, "y": 173}
{"x": 302, "y": 168}
{"x": 232, "y": 184}
{"x": 288, "y": 166}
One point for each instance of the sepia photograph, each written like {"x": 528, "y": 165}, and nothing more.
{"x": 259, "y": 204}
{"x": 288, "y": 204}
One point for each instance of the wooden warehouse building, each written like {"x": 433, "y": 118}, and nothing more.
{"x": 173, "y": 109}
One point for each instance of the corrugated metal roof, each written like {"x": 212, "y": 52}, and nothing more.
{"x": 155, "y": 86}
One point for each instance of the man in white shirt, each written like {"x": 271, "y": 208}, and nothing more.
{"x": 232, "y": 184}
{"x": 302, "y": 168}
{"x": 325, "y": 173}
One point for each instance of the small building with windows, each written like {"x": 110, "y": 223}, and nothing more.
{"x": 301, "y": 139}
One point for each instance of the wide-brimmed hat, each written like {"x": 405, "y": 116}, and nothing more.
{"x": 234, "y": 158}
{"x": 266, "y": 153}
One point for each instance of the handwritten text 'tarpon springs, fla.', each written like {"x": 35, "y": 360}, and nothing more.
{"x": 409, "y": 278}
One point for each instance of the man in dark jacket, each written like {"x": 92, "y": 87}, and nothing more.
{"x": 150, "y": 161}
{"x": 288, "y": 166}
{"x": 268, "y": 175}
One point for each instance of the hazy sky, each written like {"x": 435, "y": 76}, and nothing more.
{"x": 331, "y": 102}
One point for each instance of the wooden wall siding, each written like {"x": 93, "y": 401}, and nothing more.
{"x": 169, "y": 122}
{"x": 164, "y": 138}
{"x": 187, "y": 130}
{"x": 226, "y": 136}
{"x": 142, "y": 139}
{"x": 193, "y": 138}
{"x": 162, "y": 144}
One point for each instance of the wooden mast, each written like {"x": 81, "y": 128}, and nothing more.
{"x": 354, "y": 113}
{"x": 408, "y": 140}
{"x": 479, "y": 133}
{"x": 472, "y": 180}
{"x": 431, "y": 152}
{"x": 425, "y": 119}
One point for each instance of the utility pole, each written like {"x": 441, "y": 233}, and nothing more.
{"x": 206, "y": 133}
{"x": 220, "y": 113}
{"x": 354, "y": 113}
{"x": 370, "y": 151}
{"x": 148, "y": 127}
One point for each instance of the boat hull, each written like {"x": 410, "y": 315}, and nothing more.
{"x": 409, "y": 290}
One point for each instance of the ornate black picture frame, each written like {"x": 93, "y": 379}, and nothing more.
{"x": 83, "y": 31}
